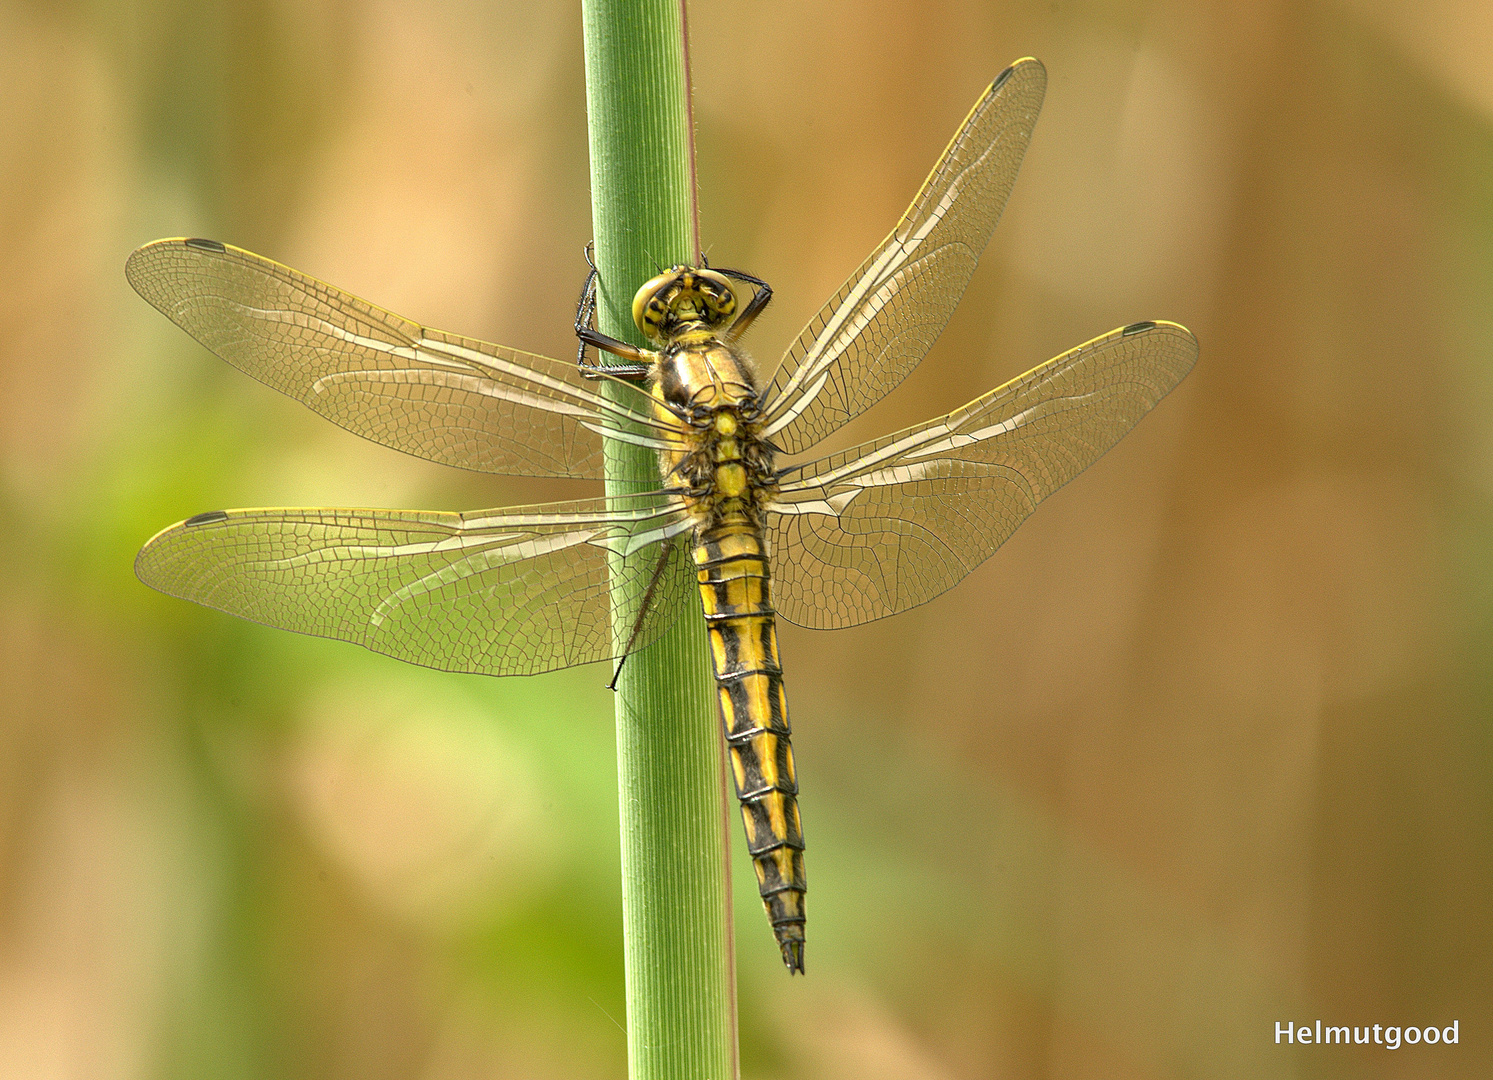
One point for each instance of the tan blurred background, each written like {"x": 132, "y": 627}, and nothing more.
{"x": 1203, "y": 748}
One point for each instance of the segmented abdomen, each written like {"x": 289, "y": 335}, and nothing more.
{"x": 731, "y": 561}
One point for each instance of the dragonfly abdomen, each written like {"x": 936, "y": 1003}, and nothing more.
{"x": 731, "y": 563}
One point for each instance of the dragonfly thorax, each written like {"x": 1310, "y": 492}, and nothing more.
{"x": 683, "y": 302}
{"x": 707, "y": 391}
{"x": 694, "y": 380}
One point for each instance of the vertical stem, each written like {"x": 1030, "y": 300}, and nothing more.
{"x": 681, "y": 1007}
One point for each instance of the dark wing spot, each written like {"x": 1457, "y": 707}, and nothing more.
{"x": 207, "y": 518}
{"x": 1137, "y": 328}
{"x": 206, "y": 245}
{"x": 1000, "y": 80}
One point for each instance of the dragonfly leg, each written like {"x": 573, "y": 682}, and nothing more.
{"x": 664, "y": 550}
{"x": 640, "y": 359}
{"x": 636, "y": 371}
{"x": 761, "y": 297}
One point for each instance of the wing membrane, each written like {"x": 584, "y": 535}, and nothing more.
{"x": 504, "y": 592}
{"x": 450, "y": 399}
{"x": 895, "y": 522}
{"x": 882, "y": 322}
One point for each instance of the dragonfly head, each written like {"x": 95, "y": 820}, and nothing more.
{"x": 680, "y": 298}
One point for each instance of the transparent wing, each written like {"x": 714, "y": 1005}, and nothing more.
{"x": 895, "y": 522}
{"x": 882, "y": 322}
{"x": 449, "y": 399}
{"x": 504, "y": 592}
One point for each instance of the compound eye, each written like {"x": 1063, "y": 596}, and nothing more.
{"x": 648, "y": 309}
{"x": 717, "y": 293}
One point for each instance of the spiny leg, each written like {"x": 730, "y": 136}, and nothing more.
{"x": 640, "y": 359}
{"x": 761, "y": 297}
{"x": 664, "y": 550}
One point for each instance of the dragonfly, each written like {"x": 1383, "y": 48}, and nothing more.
{"x": 822, "y": 542}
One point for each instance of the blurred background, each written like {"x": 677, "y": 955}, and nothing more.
{"x": 1204, "y": 748}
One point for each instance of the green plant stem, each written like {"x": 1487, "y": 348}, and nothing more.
{"x": 681, "y": 1007}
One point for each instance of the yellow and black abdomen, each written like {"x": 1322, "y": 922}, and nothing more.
{"x": 731, "y": 561}
{"x": 724, "y": 472}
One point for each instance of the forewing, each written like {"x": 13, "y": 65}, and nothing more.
{"x": 445, "y": 398}
{"x": 894, "y": 523}
{"x": 505, "y": 592}
{"x": 882, "y": 322}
